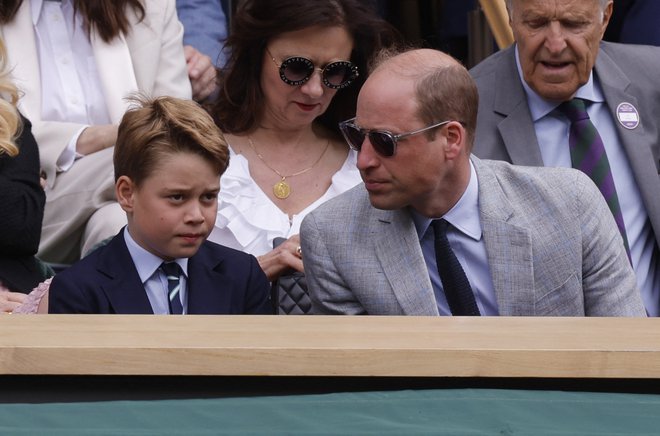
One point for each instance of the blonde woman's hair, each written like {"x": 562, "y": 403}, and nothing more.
{"x": 9, "y": 120}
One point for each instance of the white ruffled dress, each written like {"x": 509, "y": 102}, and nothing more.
{"x": 249, "y": 221}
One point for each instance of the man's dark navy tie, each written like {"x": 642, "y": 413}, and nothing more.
{"x": 173, "y": 272}
{"x": 588, "y": 155}
{"x": 454, "y": 281}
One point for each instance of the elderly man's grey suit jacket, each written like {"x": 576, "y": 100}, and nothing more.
{"x": 552, "y": 246}
{"x": 627, "y": 73}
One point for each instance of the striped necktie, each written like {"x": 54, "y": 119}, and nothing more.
{"x": 588, "y": 155}
{"x": 173, "y": 272}
{"x": 454, "y": 281}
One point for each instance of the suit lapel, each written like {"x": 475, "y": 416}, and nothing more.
{"x": 115, "y": 68}
{"x": 21, "y": 44}
{"x": 123, "y": 288}
{"x": 517, "y": 127}
{"x": 637, "y": 142}
{"x": 508, "y": 247}
{"x": 400, "y": 255}
{"x": 209, "y": 287}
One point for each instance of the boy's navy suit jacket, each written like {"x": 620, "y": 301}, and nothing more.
{"x": 220, "y": 281}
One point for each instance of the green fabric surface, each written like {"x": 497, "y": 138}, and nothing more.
{"x": 433, "y": 412}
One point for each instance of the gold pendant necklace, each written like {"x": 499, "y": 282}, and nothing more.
{"x": 282, "y": 189}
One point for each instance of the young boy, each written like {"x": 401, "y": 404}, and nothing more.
{"x": 168, "y": 160}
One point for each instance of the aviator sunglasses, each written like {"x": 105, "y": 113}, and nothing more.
{"x": 384, "y": 142}
{"x": 297, "y": 70}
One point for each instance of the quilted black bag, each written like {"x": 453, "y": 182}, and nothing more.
{"x": 289, "y": 292}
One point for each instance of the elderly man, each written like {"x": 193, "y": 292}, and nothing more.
{"x": 560, "y": 97}
{"x": 508, "y": 240}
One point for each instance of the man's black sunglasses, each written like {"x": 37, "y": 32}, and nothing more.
{"x": 384, "y": 142}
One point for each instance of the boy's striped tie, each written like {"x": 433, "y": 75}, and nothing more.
{"x": 173, "y": 272}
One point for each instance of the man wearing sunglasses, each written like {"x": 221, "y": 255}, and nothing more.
{"x": 436, "y": 231}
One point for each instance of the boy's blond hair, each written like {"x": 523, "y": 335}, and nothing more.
{"x": 154, "y": 127}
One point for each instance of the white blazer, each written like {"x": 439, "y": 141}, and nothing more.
{"x": 148, "y": 59}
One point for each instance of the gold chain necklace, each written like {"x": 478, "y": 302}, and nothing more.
{"x": 282, "y": 189}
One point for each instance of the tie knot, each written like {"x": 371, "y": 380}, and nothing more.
{"x": 171, "y": 269}
{"x": 575, "y": 110}
{"x": 440, "y": 227}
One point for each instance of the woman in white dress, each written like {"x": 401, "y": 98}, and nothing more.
{"x": 294, "y": 72}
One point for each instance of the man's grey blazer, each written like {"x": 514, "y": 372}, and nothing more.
{"x": 627, "y": 73}
{"x": 552, "y": 246}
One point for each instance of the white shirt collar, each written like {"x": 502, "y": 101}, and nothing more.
{"x": 145, "y": 262}
{"x": 37, "y": 7}
{"x": 464, "y": 216}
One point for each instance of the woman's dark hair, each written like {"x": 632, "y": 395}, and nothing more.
{"x": 256, "y": 22}
{"x": 105, "y": 17}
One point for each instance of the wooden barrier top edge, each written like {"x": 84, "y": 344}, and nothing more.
{"x": 330, "y": 346}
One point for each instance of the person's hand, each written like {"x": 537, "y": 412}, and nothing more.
{"x": 201, "y": 72}
{"x": 96, "y": 138}
{"x": 285, "y": 256}
{"x": 43, "y": 179}
{"x": 10, "y": 301}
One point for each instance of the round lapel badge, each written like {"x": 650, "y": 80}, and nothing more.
{"x": 627, "y": 115}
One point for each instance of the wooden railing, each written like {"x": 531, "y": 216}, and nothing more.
{"x": 330, "y": 346}
{"x": 498, "y": 21}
